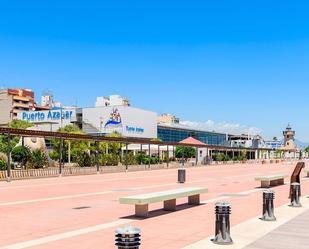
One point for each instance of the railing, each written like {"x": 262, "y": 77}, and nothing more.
{"x": 69, "y": 171}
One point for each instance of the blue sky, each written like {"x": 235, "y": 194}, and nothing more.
{"x": 234, "y": 62}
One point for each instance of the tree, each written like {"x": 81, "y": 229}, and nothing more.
{"x": 77, "y": 147}
{"x": 16, "y": 124}
{"x": 20, "y": 124}
{"x": 186, "y": 152}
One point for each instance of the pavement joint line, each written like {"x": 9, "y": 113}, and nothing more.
{"x": 84, "y": 195}
{"x": 221, "y": 198}
{"x": 66, "y": 235}
{"x": 54, "y": 198}
{"x": 75, "y": 233}
{"x": 251, "y": 230}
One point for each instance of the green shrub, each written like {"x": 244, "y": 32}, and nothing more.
{"x": 154, "y": 160}
{"x": 221, "y": 157}
{"x": 109, "y": 160}
{"x": 21, "y": 154}
{"x": 186, "y": 152}
{"x": 54, "y": 155}
{"x": 38, "y": 159}
{"x": 132, "y": 160}
{"x": 2, "y": 164}
{"x": 85, "y": 160}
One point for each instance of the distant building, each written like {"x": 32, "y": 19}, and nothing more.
{"x": 14, "y": 101}
{"x": 171, "y": 132}
{"x": 168, "y": 118}
{"x": 244, "y": 140}
{"x": 112, "y": 100}
{"x": 289, "y": 139}
{"x": 273, "y": 144}
{"x": 47, "y": 100}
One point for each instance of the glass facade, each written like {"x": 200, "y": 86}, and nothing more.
{"x": 171, "y": 134}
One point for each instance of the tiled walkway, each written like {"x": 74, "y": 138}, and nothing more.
{"x": 292, "y": 235}
{"x": 48, "y": 213}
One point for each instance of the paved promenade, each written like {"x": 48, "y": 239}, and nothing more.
{"x": 83, "y": 211}
{"x": 293, "y": 234}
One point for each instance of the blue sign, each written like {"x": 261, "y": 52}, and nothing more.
{"x": 134, "y": 129}
{"x": 46, "y": 115}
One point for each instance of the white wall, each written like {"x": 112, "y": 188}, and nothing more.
{"x": 134, "y": 122}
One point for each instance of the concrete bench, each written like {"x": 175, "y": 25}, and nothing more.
{"x": 271, "y": 180}
{"x": 168, "y": 197}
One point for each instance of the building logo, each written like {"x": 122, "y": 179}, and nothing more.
{"x": 114, "y": 119}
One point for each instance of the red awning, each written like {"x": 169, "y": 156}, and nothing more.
{"x": 193, "y": 141}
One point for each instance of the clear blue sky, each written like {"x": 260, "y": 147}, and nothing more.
{"x": 243, "y": 62}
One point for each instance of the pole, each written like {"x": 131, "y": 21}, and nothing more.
{"x": 97, "y": 156}
{"x": 9, "y": 159}
{"x": 69, "y": 151}
{"x": 23, "y": 145}
{"x": 149, "y": 156}
{"x": 141, "y": 153}
{"x": 197, "y": 155}
{"x": 183, "y": 158}
{"x": 126, "y": 157}
{"x": 60, "y": 157}
{"x": 167, "y": 156}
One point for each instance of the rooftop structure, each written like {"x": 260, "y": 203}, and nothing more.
{"x": 168, "y": 118}
{"x": 112, "y": 100}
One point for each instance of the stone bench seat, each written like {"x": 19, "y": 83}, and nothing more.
{"x": 271, "y": 180}
{"x": 168, "y": 197}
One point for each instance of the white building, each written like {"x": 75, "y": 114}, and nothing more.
{"x": 112, "y": 100}
{"x": 126, "y": 120}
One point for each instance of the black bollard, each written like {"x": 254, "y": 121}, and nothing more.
{"x": 222, "y": 234}
{"x": 295, "y": 202}
{"x": 128, "y": 238}
{"x": 181, "y": 175}
{"x": 268, "y": 205}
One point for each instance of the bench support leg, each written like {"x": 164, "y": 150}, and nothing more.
{"x": 281, "y": 181}
{"x": 194, "y": 200}
{"x": 141, "y": 210}
{"x": 170, "y": 205}
{"x": 264, "y": 184}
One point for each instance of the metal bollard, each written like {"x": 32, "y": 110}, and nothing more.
{"x": 181, "y": 175}
{"x": 268, "y": 205}
{"x": 222, "y": 234}
{"x": 128, "y": 238}
{"x": 295, "y": 202}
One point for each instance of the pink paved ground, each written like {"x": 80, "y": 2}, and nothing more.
{"x": 21, "y": 222}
